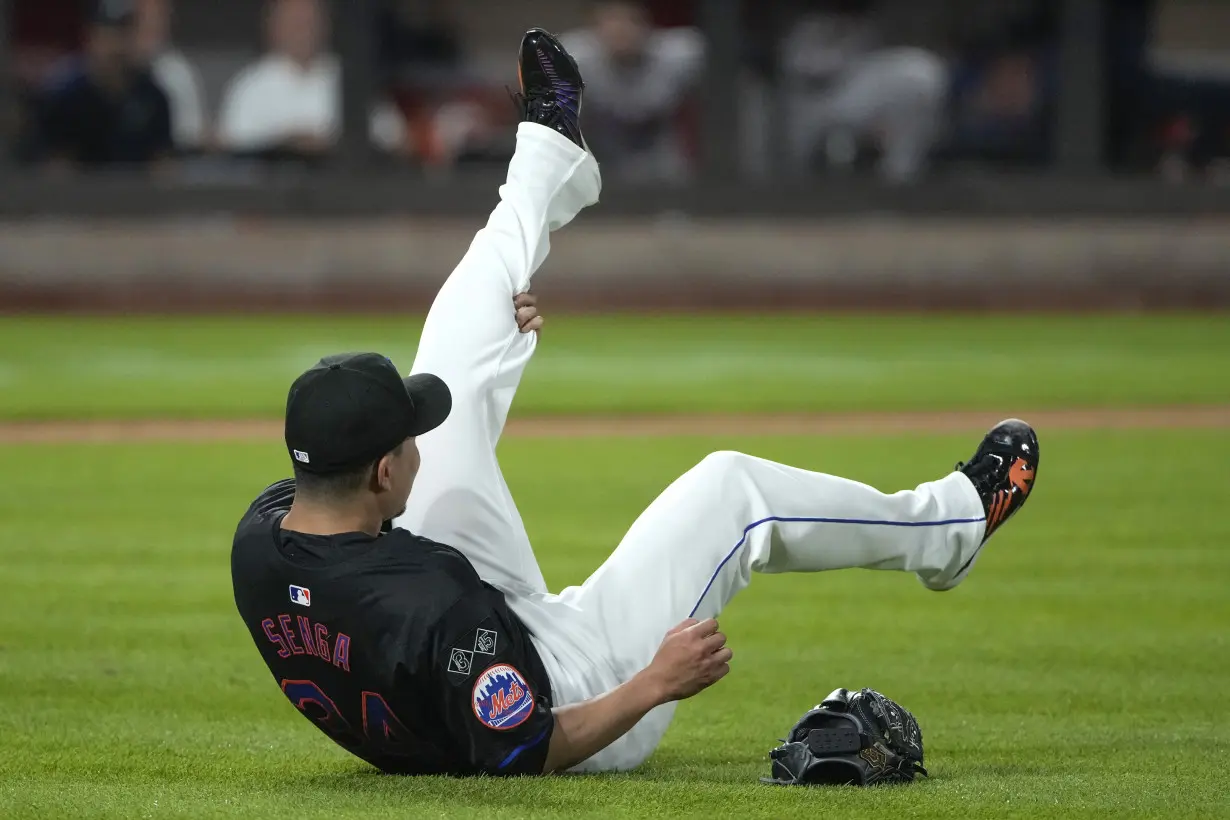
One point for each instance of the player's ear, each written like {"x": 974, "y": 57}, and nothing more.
{"x": 382, "y": 474}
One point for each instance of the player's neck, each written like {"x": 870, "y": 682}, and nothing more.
{"x": 317, "y": 519}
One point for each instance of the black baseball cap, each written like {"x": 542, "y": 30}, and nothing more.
{"x": 354, "y": 408}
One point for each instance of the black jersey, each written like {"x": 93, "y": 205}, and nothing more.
{"x": 393, "y": 646}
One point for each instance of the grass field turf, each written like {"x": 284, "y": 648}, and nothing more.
{"x": 1076, "y": 674}
{"x": 1080, "y": 672}
{"x": 208, "y": 367}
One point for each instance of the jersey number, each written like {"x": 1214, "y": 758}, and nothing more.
{"x": 380, "y": 726}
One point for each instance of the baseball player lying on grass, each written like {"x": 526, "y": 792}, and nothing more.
{"x": 415, "y": 629}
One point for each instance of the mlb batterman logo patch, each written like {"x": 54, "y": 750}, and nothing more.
{"x": 502, "y": 699}
{"x": 300, "y": 595}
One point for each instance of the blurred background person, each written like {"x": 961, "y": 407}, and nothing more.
{"x": 106, "y": 108}
{"x": 288, "y": 104}
{"x": 1005, "y": 87}
{"x": 418, "y": 35}
{"x": 174, "y": 73}
{"x": 845, "y": 89}
{"x": 1169, "y": 94}
{"x": 40, "y": 36}
{"x": 453, "y": 114}
{"x": 639, "y": 82}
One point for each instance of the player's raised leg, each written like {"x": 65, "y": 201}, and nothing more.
{"x": 470, "y": 338}
{"x": 698, "y": 543}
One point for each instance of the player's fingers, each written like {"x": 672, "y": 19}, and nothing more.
{"x": 533, "y": 325}
{"x": 524, "y": 314}
{"x": 526, "y": 299}
{"x": 714, "y": 642}
{"x": 705, "y": 628}
{"x": 528, "y": 320}
{"x": 675, "y": 630}
{"x": 720, "y": 672}
{"x": 722, "y": 656}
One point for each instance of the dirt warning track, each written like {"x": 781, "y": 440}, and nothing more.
{"x": 1200, "y": 417}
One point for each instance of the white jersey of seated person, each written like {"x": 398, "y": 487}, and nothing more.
{"x": 696, "y": 545}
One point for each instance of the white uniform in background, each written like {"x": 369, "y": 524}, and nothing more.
{"x": 841, "y": 85}
{"x": 633, "y": 113}
{"x": 275, "y": 99}
{"x": 697, "y": 544}
{"x": 181, "y": 82}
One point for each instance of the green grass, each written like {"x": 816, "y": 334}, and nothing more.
{"x": 1080, "y": 672}
{"x": 241, "y": 367}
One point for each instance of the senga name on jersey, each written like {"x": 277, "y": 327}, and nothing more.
{"x": 297, "y": 635}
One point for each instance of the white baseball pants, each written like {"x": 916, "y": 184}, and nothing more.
{"x": 697, "y": 544}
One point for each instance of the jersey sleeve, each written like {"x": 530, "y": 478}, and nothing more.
{"x": 496, "y": 712}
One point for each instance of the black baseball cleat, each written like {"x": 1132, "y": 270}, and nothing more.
{"x": 551, "y": 85}
{"x": 1003, "y": 471}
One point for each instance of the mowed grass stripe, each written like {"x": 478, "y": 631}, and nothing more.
{"x": 211, "y": 367}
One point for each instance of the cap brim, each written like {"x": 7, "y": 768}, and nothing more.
{"x": 433, "y": 401}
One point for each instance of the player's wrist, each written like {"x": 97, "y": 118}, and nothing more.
{"x": 649, "y": 688}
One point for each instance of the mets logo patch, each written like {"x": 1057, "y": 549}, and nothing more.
{"x": 502, "y": 699}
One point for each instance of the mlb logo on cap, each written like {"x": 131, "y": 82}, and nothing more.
{"x": 302, "y": 457}
{"x": 300, "y": 595}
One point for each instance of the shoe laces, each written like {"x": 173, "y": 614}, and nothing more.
{"x": 545, "y": 109}
{"x": 983, "y": 470}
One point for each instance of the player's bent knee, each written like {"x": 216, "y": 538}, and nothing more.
{"x": 713, "y": 477}
{"x": 723, "y": 459}
{"x": 722, "y": 463}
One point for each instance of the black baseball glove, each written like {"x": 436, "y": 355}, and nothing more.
{"x": 852, "y": 738}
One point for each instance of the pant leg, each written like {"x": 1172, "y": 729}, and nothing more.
{"x": 470, "y": 340}
{"x": 696, "y": 546}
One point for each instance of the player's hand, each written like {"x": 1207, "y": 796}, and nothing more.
{"x": 526, "y": 306}
{"x": 692, "y": 657}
